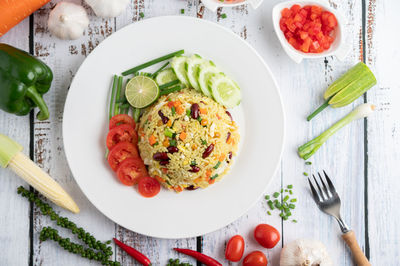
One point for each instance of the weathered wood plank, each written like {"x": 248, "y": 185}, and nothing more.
{"x": 14, "y": 218}
{"x": 383, "y": 58}
{"x": 64, "y": 57}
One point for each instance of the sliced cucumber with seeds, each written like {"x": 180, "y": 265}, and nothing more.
{"x": 178, "y": 64}
{"x": 192, "y": 70}
{"x": 165, "y": 76}
{"x": 224, "y": 90}
{"x": 206, "y": 70}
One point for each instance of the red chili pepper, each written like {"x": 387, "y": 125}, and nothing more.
{"x": 199, "y": 256}
{"x": 133, "y": 253}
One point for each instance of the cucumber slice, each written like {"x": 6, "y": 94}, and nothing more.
{"x": 206, "y": 70}
{"x": 192, "y": 70}
{"x": 224, "y": 90}
{"x": 178, "y": 64}
{"x": 165, "y": 76}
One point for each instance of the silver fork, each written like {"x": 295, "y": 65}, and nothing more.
{"x": 328, "y": 201}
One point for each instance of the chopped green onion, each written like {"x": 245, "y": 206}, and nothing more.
{"x": 267, "y": 197}
{"x": 182, "y": 11}
{"x": 173, "y": 110}
{"x": 199, "y": 119}
{"x": 288, "y": 213}
{"x": 168, "y": 84}
{"x": 188, "y": 112}
{"x": 203, "y": 142}
{"x": 223, "y": 15}
{"x": 286, "y": 190}
{"x": 217, "y": 165}
{"x": 292, "y": 206}
{"x": 276, "y": 194}
{"x": 159, "y": 70}
{"x": 170, "y": 90}
{"x": 293, "y": 200}
{"x": 193, "y": 163}
{"x": 285, "y": 217}
{"x": 168, "y": 132}
{"x": 141, "y": 14}
{"x": 152, "y": 62}
{"x": 305, "y": 174}
{"x": 155, "y": 144}
{"x": 295, "y": 221}
{"x": 308, "y": 163}
{"x": 214, "y": 176}
{"x": 112, "y": 97}
{"x": 290, "y": 192}
{"x": 136, "y": 114}
{"x": 269, "y": 213}
{"x": 286, "y": 198}
{"x": 282, "y": 190}
{"x": 290, "y": 186}
{"x": 172, "y": 143}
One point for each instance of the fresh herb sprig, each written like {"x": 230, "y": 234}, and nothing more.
{"x": 176, "y": 262}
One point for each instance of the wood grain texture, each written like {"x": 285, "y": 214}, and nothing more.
{"x": 383, "y": 57}
{"x": 14, "y": 210}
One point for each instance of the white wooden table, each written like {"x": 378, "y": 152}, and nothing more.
{"x": 362, "y": 158}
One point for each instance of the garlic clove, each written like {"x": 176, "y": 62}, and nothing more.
{"x": 108, "y": 8}
{"x": 305, "y": 252}
{"x": 68, "y": 21}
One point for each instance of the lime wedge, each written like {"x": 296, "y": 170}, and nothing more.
{"x": 141, "y": 91}
{"x": 165, "y": 76}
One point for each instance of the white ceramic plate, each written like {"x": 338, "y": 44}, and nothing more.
{"x": 190, "y": 213}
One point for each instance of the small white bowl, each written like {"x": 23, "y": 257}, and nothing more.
{"x": 214, "y": 4}
{"x": 338, "y": 48}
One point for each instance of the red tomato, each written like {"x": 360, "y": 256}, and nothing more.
{"x": 235, "y": 248}
{"x": 266, "y": 235}
{"x": 255, "y": 258}
{"x": 131, "y": 170}
{"x": 121, "y": 133}
{"x": 120, "y": 119}
{"x": 148, "y": 187}
{"x": 120, "y": 152}
{"x": 309, "y": 29}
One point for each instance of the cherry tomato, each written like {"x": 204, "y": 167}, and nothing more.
{"x": 148, "y": 187}
{"x": 120, "y": 152}
{"x": 266, "y": 235}
{"x": 120, "y": 119}
{"x": 255, "y": 258}
{"x": 131, "y": 170}
{"x": 235, "y": 248}
{"x": 121, "y": 133}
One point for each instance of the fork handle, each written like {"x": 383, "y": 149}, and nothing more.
{"x": 358, "y": 255}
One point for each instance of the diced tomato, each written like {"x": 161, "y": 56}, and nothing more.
{"x": 309, "y": 29}
{"x": 148, "y": 187}
{"x": 121, "y": 133}
{"x": 120, "y": 152}
{"x": 286, "y": 12}
{"x": 120, "y": 119}
{"x": 131, "y": 171}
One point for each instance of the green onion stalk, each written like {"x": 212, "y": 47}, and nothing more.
{"x": 307, "y": 150}
{"x": 351, "y": 85}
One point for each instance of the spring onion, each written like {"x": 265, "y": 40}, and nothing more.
{"x": 152, "y": 62}
{"x": 112, "y": 97}
{"x": 170, "y": 90}
{"x": 307, "y": 150}
{"x": 168, "y": 84}
{"x": 159, "y": 70}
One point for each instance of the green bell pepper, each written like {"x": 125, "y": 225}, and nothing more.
{"x": 23, "y": 81}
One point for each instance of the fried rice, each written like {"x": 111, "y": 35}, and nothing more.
{"x": 187, "y": 140}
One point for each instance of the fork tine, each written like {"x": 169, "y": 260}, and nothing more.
{"x": 319, "y": 188}
{"x": 328, "y": 180}
{"x": 314, "y": 192}
{"x": 326, "y": 190}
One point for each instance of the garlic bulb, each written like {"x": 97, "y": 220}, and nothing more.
{"x": 107, "y": 8}
{"x": 305, "y": 252}
{"x": 68, "y": 21}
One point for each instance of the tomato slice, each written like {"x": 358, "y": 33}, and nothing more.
{"x": 131, "y": 170}
{"x": 120, "y": 152}
{"x": 148, "y": 187}
{"x": 121, "y": 133}
{"x": 120, "y": 119}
